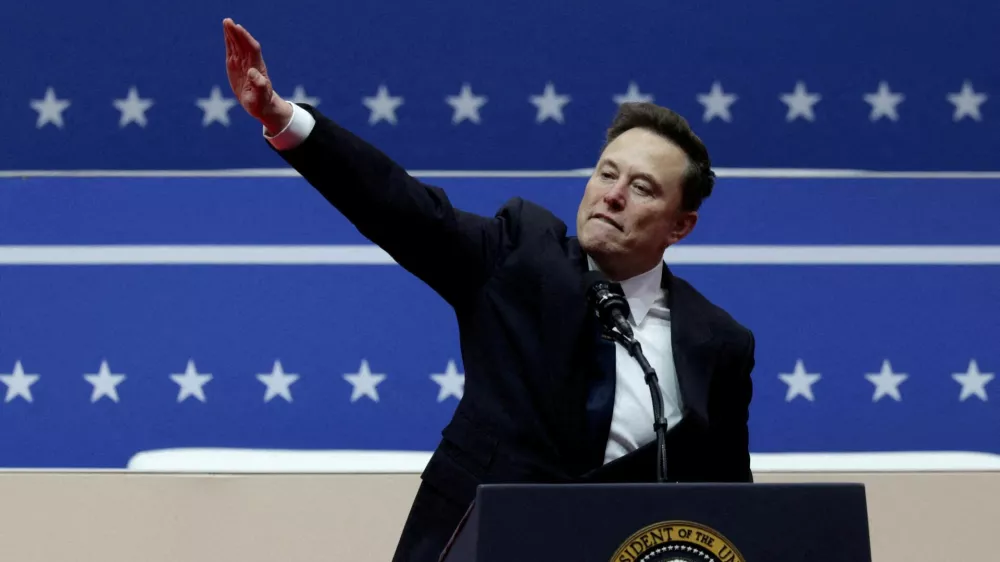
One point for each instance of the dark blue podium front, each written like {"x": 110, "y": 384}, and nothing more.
{"x": 665, "y": 522}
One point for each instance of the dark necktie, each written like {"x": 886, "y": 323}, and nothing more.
{"x": 600, "y": 394}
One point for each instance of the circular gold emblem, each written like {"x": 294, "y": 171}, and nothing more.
{"x": 677, "y": 541}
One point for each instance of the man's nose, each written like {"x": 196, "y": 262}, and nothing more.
{"x": 615, "y": 197}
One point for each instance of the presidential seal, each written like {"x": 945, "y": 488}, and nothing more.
{"x": 677, "y": 541}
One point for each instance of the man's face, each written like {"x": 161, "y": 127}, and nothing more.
{"x": 631, "y": 208}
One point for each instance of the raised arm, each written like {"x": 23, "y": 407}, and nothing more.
{"x": 453, "y": 251}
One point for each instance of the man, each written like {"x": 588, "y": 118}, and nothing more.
{"x": 547, "y": 397}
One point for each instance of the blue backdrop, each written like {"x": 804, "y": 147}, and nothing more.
{"x": 330, "y": 315}
{"x": 116, "y": 85}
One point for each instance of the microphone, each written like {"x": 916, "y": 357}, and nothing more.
{"x": 608, "y": 302}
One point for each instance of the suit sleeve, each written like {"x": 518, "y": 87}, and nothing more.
{"x": 733, "y": 459}
{"x": 451, "y": 250}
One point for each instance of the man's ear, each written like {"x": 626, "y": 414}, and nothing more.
{"x": 683, "y": 225}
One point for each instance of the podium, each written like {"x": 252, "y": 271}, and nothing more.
{"x": 725, "y": 522}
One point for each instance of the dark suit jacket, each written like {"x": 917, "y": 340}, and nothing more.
{"x": 529, "y": 345}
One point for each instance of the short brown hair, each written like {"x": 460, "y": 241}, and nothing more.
{"x": 699, "y": 179}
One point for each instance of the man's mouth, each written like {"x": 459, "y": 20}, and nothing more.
{"x": 608, "y": 220}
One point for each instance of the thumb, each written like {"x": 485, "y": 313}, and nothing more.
{"x": 257, "y": 79}
{"x": 258, "y": 93}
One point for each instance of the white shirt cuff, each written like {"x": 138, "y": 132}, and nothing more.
{"x": 296, "y": 131}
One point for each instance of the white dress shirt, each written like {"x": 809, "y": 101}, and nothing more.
{"x": 632, "y": 417}
{"x": 295, "y": 131}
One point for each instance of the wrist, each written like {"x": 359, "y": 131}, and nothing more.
{"x": 277, "y": 117}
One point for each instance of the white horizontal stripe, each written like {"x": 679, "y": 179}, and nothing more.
{"x": 577, "y": 173}
{"x": 779, "y": 173}
{"x": 278, "y": 173}
{"x": 373, "y": 255}
{"x": 333, "y": 461}
{"x": 230, "y": 460}
{"x": 203, "y": 254}
{"x": 835, "y": 255}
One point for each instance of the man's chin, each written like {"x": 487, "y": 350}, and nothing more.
{"x": 598, "y": 246}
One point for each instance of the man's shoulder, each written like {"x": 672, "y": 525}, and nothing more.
{"x": 720, "y": 319}
{"x": 528, "y": 218}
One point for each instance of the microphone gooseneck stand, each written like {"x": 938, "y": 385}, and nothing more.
{"x": 659, "y": 421}
{"x": 610, "y": 306}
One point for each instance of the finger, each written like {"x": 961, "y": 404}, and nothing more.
{"x": 240, "y": 37}
{"x": 254, "y": 44}
{"x": 230, "y": 44}
{"x": 234, "y": 58}
{"x": 249, "y": 43}
{"x": 230, "y": 30}
{"x": 227, "y": 33}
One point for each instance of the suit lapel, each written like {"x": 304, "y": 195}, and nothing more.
{"x": 692, "y": 342}
{"x": 694, "y": 356}
{"x": 694, "y": 352}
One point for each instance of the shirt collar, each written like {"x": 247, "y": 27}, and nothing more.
{"x": 641, "y": 291}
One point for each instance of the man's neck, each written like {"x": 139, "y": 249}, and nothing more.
{"x": 617, "y": 272}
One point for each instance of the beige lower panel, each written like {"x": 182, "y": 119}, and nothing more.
{"x": 133, "y": 517}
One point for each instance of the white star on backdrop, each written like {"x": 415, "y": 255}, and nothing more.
{"x": 973, "y": 382}
{"x": 104, "y": 382}
{"x": 465, "y": 105}
{"x": 364, "y": 382}
{"x": 799, "y": 382}
{"x": 299, "y": 96}
{"x": 549, "y": 104}
{"x": 884, "y": 103}
{"x": 382, "y": 106}
{"x": 967, "y": 103}
{"x": 886, "y": 382}
{"x": 632, "y": 95}
{"x": 133, "y": 108}
{"x": 452, "y": 383}
{"x": 717, "y": 103}
{"x": 800, "y": 103}
{"x": 191, "y": 383}
{"x": 278, "y": 383}
{"x": 49, "y": 109}
{"x": 216, "y": 108}
{"x": 18, "y": 383}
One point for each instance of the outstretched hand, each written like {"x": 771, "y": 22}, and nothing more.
{"x": 249, "y": 80}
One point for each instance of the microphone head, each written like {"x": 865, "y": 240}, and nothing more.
{"x": 603, "y": 295}
{"x": 593, "y": 281}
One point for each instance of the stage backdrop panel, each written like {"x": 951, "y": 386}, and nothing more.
{"x": 520, "y": 84}
{"x": 147, "y": 313}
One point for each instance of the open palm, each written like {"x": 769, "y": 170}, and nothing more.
{"x": 246, "y": 70}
